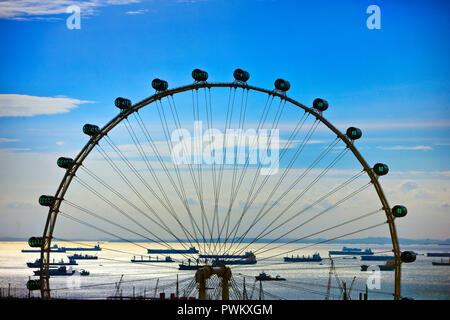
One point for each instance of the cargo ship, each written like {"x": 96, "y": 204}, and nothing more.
{"x": 226, "y": 256}
{"x": 248, "y": 258}
{"x": 388, "y": 266}
{"x": 77, "y": 256}
{"x": 37, "y": 263}
{"x": 53, "y": 248}
{"x": 315, "y": 258}
{"x": 352, "y": 252}
{"x": 95, "y": 248}
{"x": 438, "y": 254}
{"x": 173, "y": 251}
{"x": 61, "y": 271}
{"x": 441, "y": 263}
{"x": 190, "y": 266}
{"x": 142, "y": 260}
{"x": 265, "y": 277}
{"x": 376, "y": 258}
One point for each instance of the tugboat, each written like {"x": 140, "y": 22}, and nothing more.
{"x": 173, "y": 251}
{"x": 352, "y": 252}
{"x": 389, "y": 266}
{"x": 442, "y": 263}
{"x": 142, "y": 260}
{"x": 61, "y": 271}
{"x": 315, "y": 258}
{"x": 265, "y": 277}
{"x": 77, "y": 256}
{"x": 37, "y": 263}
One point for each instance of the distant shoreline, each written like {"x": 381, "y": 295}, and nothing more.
{"x": 369, "y": 240}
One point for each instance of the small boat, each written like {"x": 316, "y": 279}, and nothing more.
{"x": 315, "y": 258}
{"x": 84, "y": 272}
{"x": 173, "y": 251}
{"x": 53, "y": 248}
{"x": 37, "y": 263}
{"x": 77, "y": 256}
{"x": 142, "y": 260}
{"x": 441, "y": 263}
{"x": 265, "y": 277}
{"x": 388, "y": 266}
{"x": 61, "y": 271}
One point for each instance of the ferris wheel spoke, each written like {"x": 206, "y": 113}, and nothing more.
{"x": 300, "y": 195}
{"x": 284, "y": 174}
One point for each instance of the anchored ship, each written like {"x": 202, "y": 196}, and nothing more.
{"x": 265, "y": 277}
{"x": 77, "y": 256}
{"x": 53, "y": 248}
{"x": 388, "y": 266}
{"x": 95, "y": 248}
{"x": 352, "y": 252}
{"x": 438, "y": 254}
{"x": 376, "y": 258}
{"x": 441, "y": 263}
{"x": 37, "y": 263}
{"x": 142, "y": 260}
{"x": 315, "y": 258}
{"x": 173, "y": 251}
{"x": 61, "y": 271}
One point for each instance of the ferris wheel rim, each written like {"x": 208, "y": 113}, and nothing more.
{"x": 123, "y": 114}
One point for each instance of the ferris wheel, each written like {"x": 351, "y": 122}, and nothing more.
{"x": 219, "y": 173}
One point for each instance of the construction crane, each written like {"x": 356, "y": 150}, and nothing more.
{"x": 156, "y": 288}
{"x": 118, "y": 284}
{"x": 351, "y": 287}
{"x": 332, "y": 271}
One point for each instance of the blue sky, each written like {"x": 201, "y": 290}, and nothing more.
{"x": 393, "y": 83}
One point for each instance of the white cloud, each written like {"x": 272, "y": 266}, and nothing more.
{"x": 140, "y": 11}
{"x": 59, "y": 143}
{"x": 39, "y": 10}
{"x": 20, "y": 105}
{"x": 2, "y": 140}
{"x": 423, "y": 148}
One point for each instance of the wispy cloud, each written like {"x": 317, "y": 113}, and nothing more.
{"x": 3, "y": 140}
{"x": 20, "y": 105}
{"x": 44, "y": 10}
{"x": 423, "y": 148}
{"x": 140, "y": 11}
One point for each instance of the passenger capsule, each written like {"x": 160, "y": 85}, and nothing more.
{"x": 34, "y": 285}
{"x": 122, "y": 103}
{"x": 408, "y": 256}
{"x": 399, "y": 211}
{"x": 199, "y": 75}
{"x": 64, "y": 163}
{"x": 354, "y": 133}
{"x": 91, "y": 130}
{"x": 282, "y": 85}
{"x": 159, "y": 85}
{"x": 35, "y": 242}
{"x": 46, "y": 201}
{"x": 320, "y": 104}
{"x": 381, "y": 169}
{"x": 241, "y": 75}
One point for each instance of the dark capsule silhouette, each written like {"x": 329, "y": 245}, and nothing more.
{"x": 381, "y": 169}
{"x": 408, "y": 256}
{"x": 354, "y": 133}
{"x": 282, "y": 85}
{"x": 34, "y": 285}
{"x": 35, "y": 242}
{"x": 241, "y": 75}
{"x": 320, "y": 104}
{"x": 399, "y": 211}
{"x": 64, "y": 163}
{"x": 199, "y": 75}
{"x": 46, "y": 201}
{"x": 91, "y": 129}
{"x": 159, "y": 85}
{"x": 122, "y": 103}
